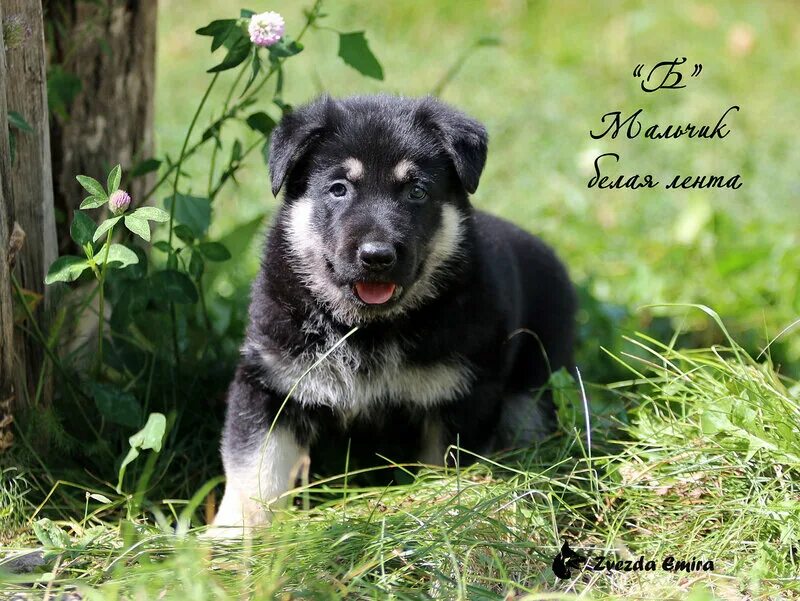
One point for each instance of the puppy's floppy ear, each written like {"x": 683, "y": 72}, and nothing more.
{"x": 464, "y": 139}
{"x": 293, "y": 136}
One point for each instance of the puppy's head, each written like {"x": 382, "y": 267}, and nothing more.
{"x": 375, "y": 198}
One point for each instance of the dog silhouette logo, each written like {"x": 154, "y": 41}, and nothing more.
{"x": 565, "y": 560}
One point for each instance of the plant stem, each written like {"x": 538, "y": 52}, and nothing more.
{"x": 101, "y": 302}
{"x": 182, "y": 155}
{"x": 224, "y": 111}
{"x": 186, "y": 151}
{"x": 191, "y": 150}
{"x": 203, "y": 305}
{"x": 173, "y": 316}
{"x": 169, "y": 171}
{"x": 222, "y": 180}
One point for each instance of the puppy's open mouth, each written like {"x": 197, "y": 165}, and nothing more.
{"x": 375, "y": 293}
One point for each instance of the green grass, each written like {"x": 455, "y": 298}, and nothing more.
{"x": 694, "y": 442}
{"x": 706, "y": 469}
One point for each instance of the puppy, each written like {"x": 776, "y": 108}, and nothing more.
{"x": 388, "y": 312}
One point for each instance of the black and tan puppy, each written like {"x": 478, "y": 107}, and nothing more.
{"x": 460, "y": 316}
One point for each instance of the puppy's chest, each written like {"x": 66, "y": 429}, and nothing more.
{"x": 354, "y": 381}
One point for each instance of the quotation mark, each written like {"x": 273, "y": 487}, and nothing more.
{"x": 665, "y": 75}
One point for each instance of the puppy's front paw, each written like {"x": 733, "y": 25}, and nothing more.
{"x": 223, "y": 533}
{"x": 237, "y": 517}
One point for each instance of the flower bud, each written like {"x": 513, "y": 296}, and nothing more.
{"x": 266, "y": 28}
{"x": 119, "y": 202}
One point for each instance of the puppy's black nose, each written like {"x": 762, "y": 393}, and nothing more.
{"x": 377, "y": 256}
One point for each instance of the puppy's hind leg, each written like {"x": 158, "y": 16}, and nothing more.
{"x": 526, "y": 418}
{"x": 432, "y": 445}
{"x": 259, "y": 465}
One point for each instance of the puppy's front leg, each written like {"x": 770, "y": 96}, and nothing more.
{"x": 259, "y": 465}
{"x": 256, "y": 478}
{"x": 433, "y": 441}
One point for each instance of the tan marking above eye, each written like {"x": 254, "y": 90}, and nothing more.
{"x": 354, "y": 169}
{"x": 402, "y": 169}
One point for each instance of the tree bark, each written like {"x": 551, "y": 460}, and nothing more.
{"x": 109, "y": 45}
{"x": 6, "y": 312}
{"x": 31, "y": 177}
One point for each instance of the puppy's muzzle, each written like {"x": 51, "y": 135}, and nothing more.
{"x": 377, "y": 256}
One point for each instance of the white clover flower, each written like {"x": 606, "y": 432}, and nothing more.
{"x": 266, "y": 29}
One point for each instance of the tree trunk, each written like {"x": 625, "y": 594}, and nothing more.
{"x": 109, "y": 47}
{"x": 6, "y": 313}
{"x": 31, "y": 177}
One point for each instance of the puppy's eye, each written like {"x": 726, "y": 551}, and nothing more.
{"x": 338, "y": 190}
{"x": 417, "y": 193}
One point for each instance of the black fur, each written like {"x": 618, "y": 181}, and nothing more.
{"x": 505, "y": 304}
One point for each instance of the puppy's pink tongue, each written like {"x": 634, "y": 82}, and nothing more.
{"x": 374, "y": 293}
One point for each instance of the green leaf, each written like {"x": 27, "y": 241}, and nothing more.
{"x": 215, "y": 27}
{"x": 130, "y": 299}
{"x": 238, "y": 241}
{"x": 354, "y": 51}
{"x": 138, "y": 270}
{"x": 236, "y": 54}
{"x": 261, "y": 122}
{"x": 219, "y": 30}
{"x": 50, "y": 535}
{"x": 92, "y": 202}
{"x": 152, "y": 435}
{"x": 105, "y": 226}
{"x": 184, "y": 233}
{"x": 140, "y": 227}
{"x": 145, "y": 167}
{"x": 163, "y": 246}
{"x": 18, "y": 121}
{"x": 255, "y": 69}
{"x": 245, "y": 13}
{"x": 116, "y": 405}
{"x": 285, "y": 48}
{"x": 197, "y": 265}
{"x": 151, "y": 214}
{"x": 149, "y": 437}
{"x": 66, "y": 269}
{"x": 174, "y": 286}
{"x": 82, "y": 228}
{"x": 285, "y": 107}
{"x": 92, "y": 186}
{"x": 236, "y": 152}
{"x": 214, "y": 251}
{"x": 212, "y": 131}
{"x": 192, "y": 211}
{"x": 117, "y": 254}
{"x": 113, "y": 179}
{"x": 96, "y": 496}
